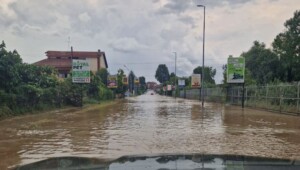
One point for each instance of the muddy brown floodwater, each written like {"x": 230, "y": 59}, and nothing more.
{"x": 148, "y": 124}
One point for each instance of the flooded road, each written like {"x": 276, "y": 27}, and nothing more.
{"x": 148, "y": 124}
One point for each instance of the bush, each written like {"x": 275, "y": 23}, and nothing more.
{"x": 5, "y": 111}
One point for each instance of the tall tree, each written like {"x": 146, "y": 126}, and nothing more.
{"x": 142, "y": 81}
{"x": 9, "y": 61}
{"x": 262, "y": 63}
{"x": 209, "y": 74}
{"x": 131, "y": 77}
{"x": 162, "y": 73}
{"x": 120, "y": 76}
{"x": 287, "y": 46}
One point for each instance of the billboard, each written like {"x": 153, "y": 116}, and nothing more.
{"x": 136, "y": 81}
{"x": 112, "y": 81}
{"x": 81, "y": 71}
{"x": 196, "y": 81}
{"x": 169, "y": 87}
{"x": 236, "y": 70}
{"x": 181, "y": 82}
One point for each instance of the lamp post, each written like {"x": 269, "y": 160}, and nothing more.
{"x": 175, "y": 73}
{"x": 202, "y": 76}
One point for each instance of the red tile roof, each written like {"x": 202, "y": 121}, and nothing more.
{"x": 57, "y": 63}
{"x": 79, "y": 54}
{"x": 62, "y": 59}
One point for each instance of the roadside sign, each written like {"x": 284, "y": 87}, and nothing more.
{"x": 181, "y": 82}
{"x": 136, "y": 81}
{"x": 236, "y": 70}
{"x": 196, "y": 81}
{"x": 81, "y": 71}
{"x": 112, "y": 81}
{"x": 169, "y": 87}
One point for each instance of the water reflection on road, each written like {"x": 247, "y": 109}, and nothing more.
{"x": 148, "y": 124}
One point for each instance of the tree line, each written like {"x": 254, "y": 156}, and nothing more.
{"x": 162, "y": 75}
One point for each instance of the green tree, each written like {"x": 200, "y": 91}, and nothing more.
{"x": 131, "y": 77}
{"x": 162, "y": 73}
{"x": 286, "y": 46}
{"x": 94, "y": 86}
{"x": 9, "y": 76}
{"x": 103, "y": 73}
{"x": 142, "y": 81}
{"x": 121, "y": 88}
{"x": 262, "y": 64}
{"x": 209, "y": 74}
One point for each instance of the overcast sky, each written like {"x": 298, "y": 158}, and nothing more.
{"x": 143, "y": 33}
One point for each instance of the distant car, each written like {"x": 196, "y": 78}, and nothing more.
{"x": 152, "y": 94}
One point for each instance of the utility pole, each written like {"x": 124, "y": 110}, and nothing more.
{"x": 175, "y": 74}
{"x": 202, "y": 76}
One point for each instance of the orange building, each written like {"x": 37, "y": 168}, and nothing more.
{"x": 62, "y": 60}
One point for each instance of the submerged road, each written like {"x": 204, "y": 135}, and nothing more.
{"x": 148, "y": 124}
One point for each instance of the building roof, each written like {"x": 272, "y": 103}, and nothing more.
{"x": 62, "y": 59}
{"x": 67, "y": 54}
{"x": 57, "y": 63}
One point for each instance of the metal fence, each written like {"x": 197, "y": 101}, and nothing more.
{"x": 281, "y": 98}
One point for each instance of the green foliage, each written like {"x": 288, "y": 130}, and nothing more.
{"x": 72, "y": 92}
{"x": 143, "y": 86}
{"x": 286, "y": 46}
{"x": 103, "y": 73}
{"x": 9, "y": 61}
{"x": 162, "y": 73}
{"x": 105, "y": 93}
{"x": 121, "y": 89}
{"x": 262, "y": 64}
{"x": 131, "y": 77}
{"x": 209, "y": 74}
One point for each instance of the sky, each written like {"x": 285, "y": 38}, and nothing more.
{"x": 139, "y": 35}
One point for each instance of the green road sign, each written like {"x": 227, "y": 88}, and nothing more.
{"x": 236, "y": 70}
{"x": 80, "y": 71}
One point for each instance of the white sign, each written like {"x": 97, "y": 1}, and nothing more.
{"x": 196, "y": 81}
{"x": 181, "y": 82}
{"x": 169, "y": 87}
{"x": 80, "y": 71}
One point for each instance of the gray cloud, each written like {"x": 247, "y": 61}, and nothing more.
{"x": 127, "y": 45}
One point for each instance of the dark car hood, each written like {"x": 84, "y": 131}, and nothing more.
{"x": 165, "y": 162}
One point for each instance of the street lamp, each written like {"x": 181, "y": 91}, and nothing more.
{"x": 175, "y": 73}
{"x": 202, "y": 76}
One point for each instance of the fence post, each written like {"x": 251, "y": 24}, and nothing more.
{"x": 255, "y": 96}
{"x": 238, "y": 95}
{"x": 267, "y": 89}
{"x": 246, "y": 95}
{"x": 298, "y": 97}
{"x": 243, "y": 95}
{"x": 280, "y": 100}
